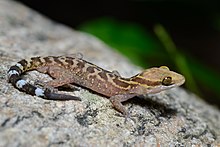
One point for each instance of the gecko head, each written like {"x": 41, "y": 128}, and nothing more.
{"x": 154, "y": 80}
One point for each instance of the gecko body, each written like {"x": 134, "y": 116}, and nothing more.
{"x": 66, "y": 70}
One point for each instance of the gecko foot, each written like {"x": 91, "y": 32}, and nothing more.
{"x": 127, "y": 117}
{"x": 117, "y": 100}
{"x": 45, "y": 86}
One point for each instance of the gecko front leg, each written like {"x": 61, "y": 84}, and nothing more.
{"x": 117, "y": 100}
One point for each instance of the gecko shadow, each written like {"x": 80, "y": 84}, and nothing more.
{"x": 158, "y": 109}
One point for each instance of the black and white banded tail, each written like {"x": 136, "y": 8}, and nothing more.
{"x": 15, "y": 78}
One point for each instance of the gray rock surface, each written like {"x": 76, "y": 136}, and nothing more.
{"x": 170, "y": 118}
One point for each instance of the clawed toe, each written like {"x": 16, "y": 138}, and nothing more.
{"x": 45, "y": 86}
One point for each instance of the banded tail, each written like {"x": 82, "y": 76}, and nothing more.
{"x": 15, "y": 78}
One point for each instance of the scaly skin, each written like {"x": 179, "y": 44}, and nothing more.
{"x": 70, "y": 70}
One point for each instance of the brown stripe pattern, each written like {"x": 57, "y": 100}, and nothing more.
{"x": 66, "y": 70}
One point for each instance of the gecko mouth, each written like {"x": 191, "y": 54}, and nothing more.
{"x": 166, "y": 87}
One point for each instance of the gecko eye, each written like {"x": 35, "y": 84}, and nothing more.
{"x": 167, "y": 81}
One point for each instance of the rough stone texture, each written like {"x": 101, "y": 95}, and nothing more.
{"x": 171, "y": 118}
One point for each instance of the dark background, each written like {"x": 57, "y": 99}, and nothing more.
{"x": 193, "y": 26}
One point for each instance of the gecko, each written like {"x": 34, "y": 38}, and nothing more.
{"x": 74, "y": 70}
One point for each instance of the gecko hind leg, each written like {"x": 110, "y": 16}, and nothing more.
{"x": 51, "y": 93}
{"x": 45, "y": 86}
{"x": 61, "y": 78}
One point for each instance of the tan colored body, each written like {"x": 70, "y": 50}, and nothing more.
{"x": 68, "y": 70}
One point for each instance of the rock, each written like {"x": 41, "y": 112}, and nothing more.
{"x": 170, "y": 118}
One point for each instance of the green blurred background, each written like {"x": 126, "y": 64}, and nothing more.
{"x": 184, "y": 35}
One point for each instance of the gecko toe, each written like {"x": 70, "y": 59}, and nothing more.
{"x": 46, "y": 86}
